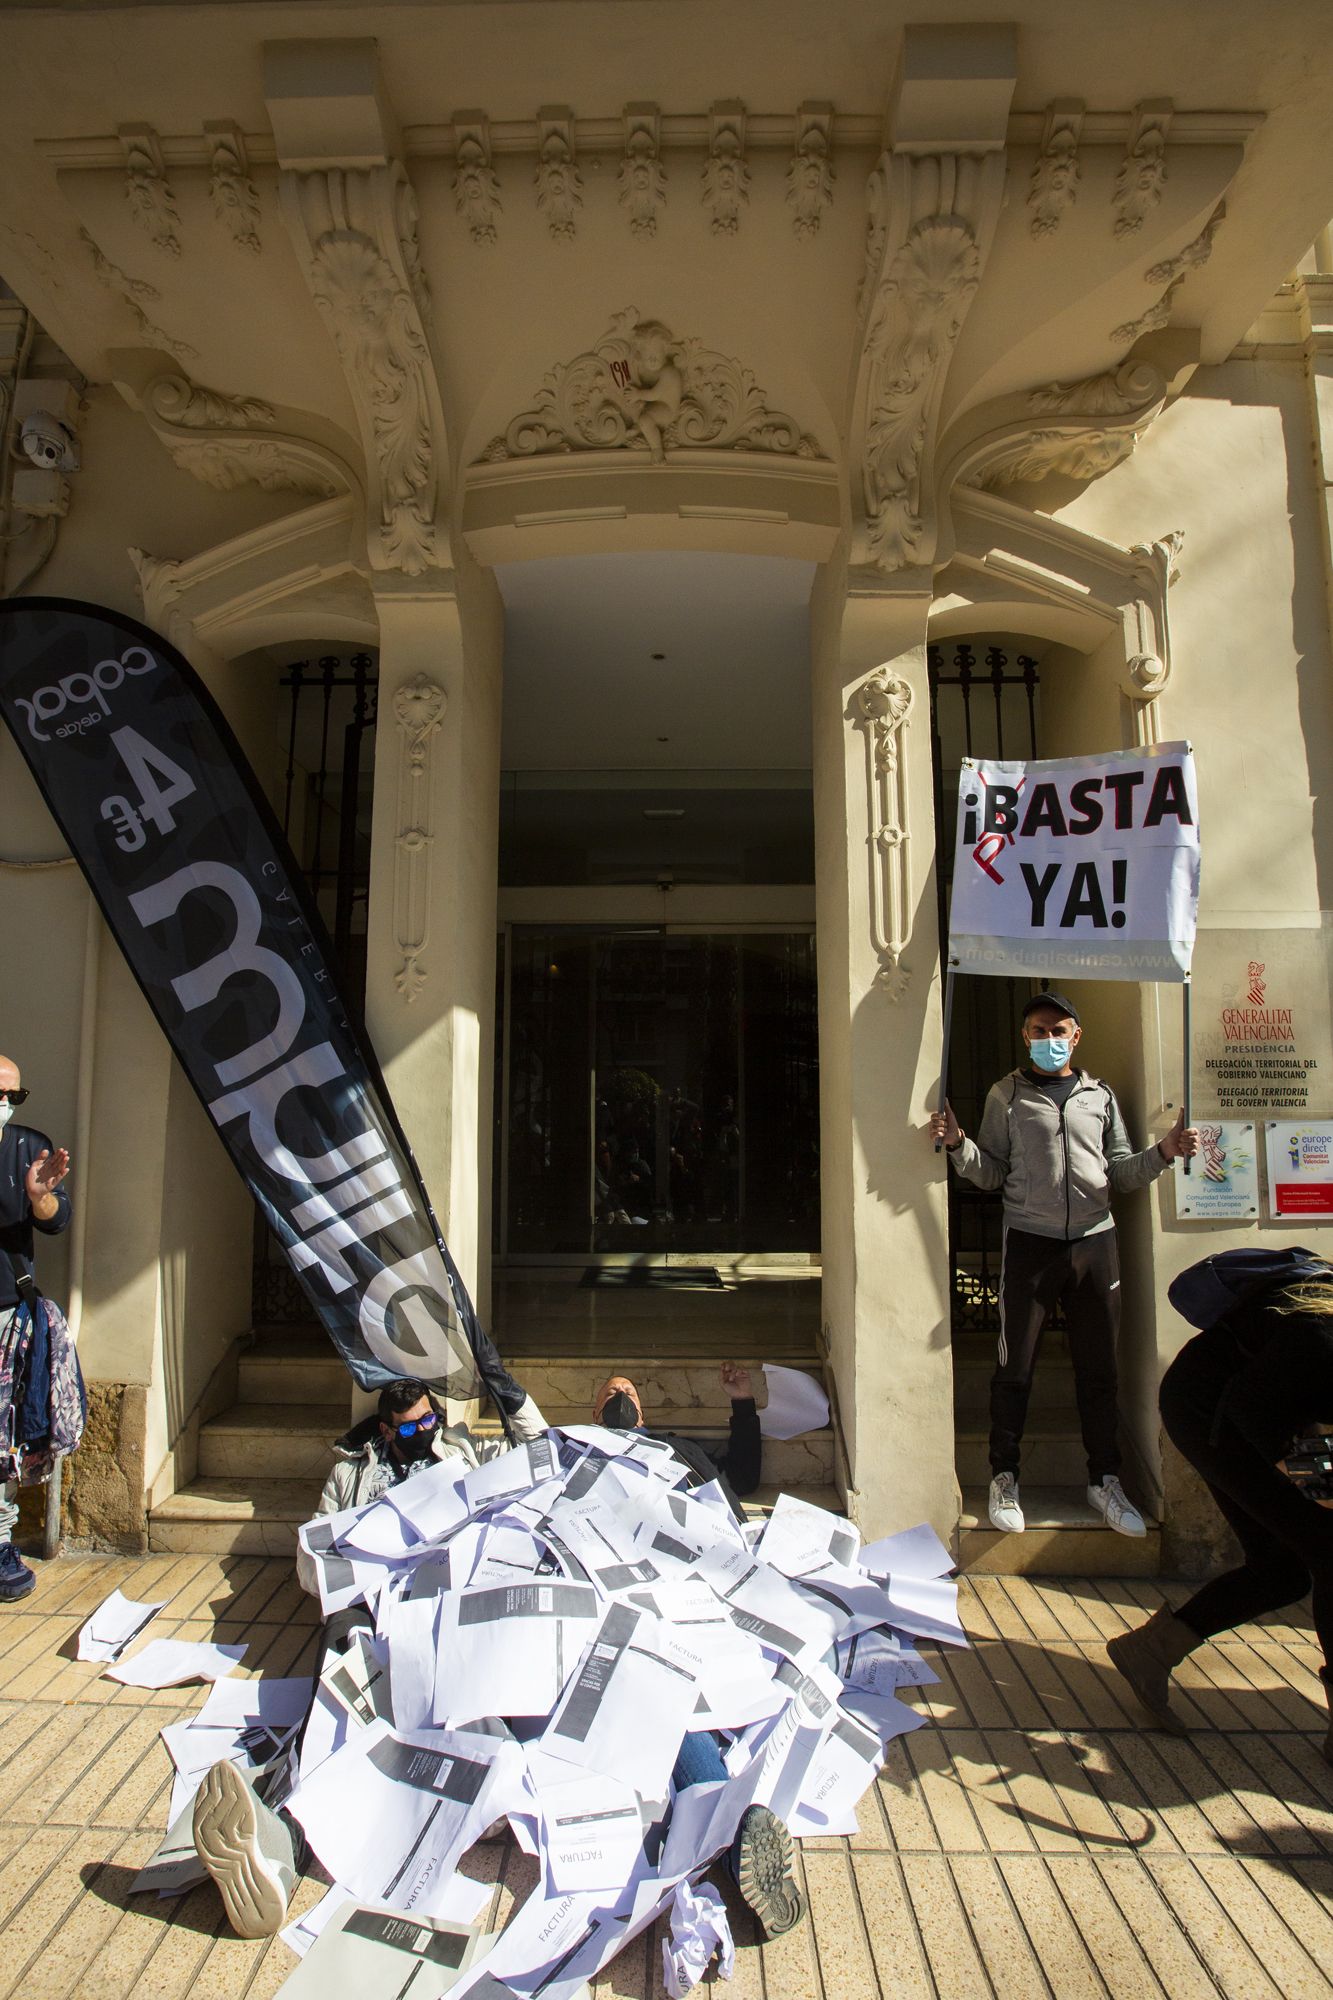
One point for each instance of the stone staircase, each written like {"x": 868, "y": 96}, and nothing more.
{"x": 263, "y": 1461}
{"x": 1064, "y": 1537}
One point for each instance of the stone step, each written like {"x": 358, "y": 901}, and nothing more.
{"x": 1053, "y": 1453}
{"x": 670, "y": 1390}
{"x": 294, "y": 1368}
{"x": 1063, "y": 1538}
{"x": 787, "y": 1462}
{"x": 271, "y": 1441}
{"x": 238, "y": 1517}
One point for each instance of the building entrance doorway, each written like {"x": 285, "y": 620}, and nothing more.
{"x": 658, "y": 1095}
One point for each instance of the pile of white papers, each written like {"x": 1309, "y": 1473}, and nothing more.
{"x": 543, "y": 1634}
{"x": 551, "y": 1627}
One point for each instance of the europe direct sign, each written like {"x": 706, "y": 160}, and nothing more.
{"x": 1085, "y": 866}
{"x": 198, "y": 887}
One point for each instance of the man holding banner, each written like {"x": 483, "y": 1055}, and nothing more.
{"x": 1088, "y": 866}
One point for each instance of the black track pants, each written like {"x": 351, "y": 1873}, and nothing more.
{"x": 1036, "y": 1273}
{"x": 1287, "y": 1539}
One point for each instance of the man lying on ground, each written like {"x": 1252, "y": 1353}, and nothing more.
{"x": 256, "y": 1855}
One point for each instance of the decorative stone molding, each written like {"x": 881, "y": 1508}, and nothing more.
{"x": 1156, "y": 316}
{"x": 476, "y": 184}
{"x": 355, "y": 233}
{"x": 1080, "y": 429}
{"x": 418, "y": 707}
{"x": 810, "y": 176}
{"x": 146, "y": 187}
{"x": 726, "y": 178}
{"x": 1172, "y": 270}
{"x": 929, "y": 231}
{"x": 226, "y": 441}
{"x": 136, "y": 293}
{"x": 1054, "y": 183}
{"x": 160, "y": 594}
{"x": 177, "y": 400}
{"x": 883, "y": 707}
{"x": 642, "y": 175}
{"x": 1148, "y": 632}
{"x": 1142, "y": 175}
{"x": 234, "y": 195}
{"x": 558, "y": 182}
{"x": 642, "y": 387}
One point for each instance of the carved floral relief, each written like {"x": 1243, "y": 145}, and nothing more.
{"x": 644, "y": 388}
{"x": 476, "y": 184}
{"x": 234, "y": 195}
{"x": 882, "y": 708}
{"x": 557, "y": 179}
{"x": 642, "y": 175}
{"x": 726, "y": 178}
{"x": 147, "y": 190}
{"x": 1142, "y": 175}
{"x": 915, "y": 322}
{"x": 810, "y": 176}
{"x": 1053, "y": 187}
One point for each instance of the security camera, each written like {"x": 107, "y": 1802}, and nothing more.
{"x": 49, "y": 443}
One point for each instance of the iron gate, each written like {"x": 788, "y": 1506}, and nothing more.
{"x": 328, "y": 729}
{"x": 985, "y": 707}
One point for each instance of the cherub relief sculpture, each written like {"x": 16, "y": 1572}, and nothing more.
{"x": 644, "y": 388}
{"x": 656, "y": 385}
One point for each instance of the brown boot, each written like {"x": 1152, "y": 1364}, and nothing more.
{"x": 1326, "y": 1676}
{"x": 1145, "y": 1658}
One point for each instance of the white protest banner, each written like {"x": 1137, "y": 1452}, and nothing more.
{"x": 1085, "y": 866}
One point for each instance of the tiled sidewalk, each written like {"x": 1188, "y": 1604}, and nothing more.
{"x": 1032, "y": 1841}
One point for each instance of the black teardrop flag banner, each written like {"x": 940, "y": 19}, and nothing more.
{"x": 202, "y": 894}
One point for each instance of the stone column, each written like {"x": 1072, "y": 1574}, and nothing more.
{"x": 430, "y": 984}
{"x": 885, "y": 1226}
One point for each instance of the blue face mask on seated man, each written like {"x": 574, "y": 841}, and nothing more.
{"x": 1051, "y": 1054}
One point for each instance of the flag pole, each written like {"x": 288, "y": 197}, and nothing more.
{"x": 1188, "y": 1037}
{"x": 944, "y": 1053}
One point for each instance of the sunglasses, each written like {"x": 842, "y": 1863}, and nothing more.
{"x": 417, "y": 1424}
{"x": 15, "y": 1096}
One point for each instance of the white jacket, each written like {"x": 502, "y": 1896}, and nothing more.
{"x": 361, "y": 1470}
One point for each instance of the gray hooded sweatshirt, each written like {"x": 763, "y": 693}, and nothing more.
{"x": 1058, "y": 1164}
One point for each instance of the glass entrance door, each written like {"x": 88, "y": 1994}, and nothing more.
{"x": 662, "y": 1094}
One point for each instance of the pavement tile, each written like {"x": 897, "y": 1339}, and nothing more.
{"x": 1032, "y": 1839}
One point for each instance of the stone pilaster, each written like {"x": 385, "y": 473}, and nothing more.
{"x": 885, "y": 1227}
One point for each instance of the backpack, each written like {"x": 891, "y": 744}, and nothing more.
{"x": 1217, "y": 1286}
{"x": 43, "y": 1400}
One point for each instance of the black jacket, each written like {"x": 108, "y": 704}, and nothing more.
{"x": 1267, "y": 1375}
{"x": 736, "y": 1467}
{"x": 19, "y": 1147}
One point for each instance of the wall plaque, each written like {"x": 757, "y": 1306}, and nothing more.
{"x": 1223, "y": 1184}
{"x": 1261, "y": 1024}
{"x": 1300, "y": 1169}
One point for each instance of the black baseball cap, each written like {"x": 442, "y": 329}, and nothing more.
{"x": 1057, "y": 1001}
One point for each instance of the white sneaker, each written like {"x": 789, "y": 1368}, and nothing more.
{"x": 1111, "y": 1501}
{"x": 1005, "y": 1512}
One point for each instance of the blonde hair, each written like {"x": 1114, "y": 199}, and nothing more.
{"x": 1309, "y": 1295}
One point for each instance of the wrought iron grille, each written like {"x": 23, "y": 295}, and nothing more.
{"x": 328, "y": 729}
{"x": 983, "y": 706}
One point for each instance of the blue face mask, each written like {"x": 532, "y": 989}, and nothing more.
{"x": 1052, "y": 1054}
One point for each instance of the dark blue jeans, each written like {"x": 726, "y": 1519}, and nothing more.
{"x": 700, "y": 1763}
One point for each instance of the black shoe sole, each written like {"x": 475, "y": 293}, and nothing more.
{"x": 764, "y": 1872}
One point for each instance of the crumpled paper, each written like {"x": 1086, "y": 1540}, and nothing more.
{"x": 699, "y": 1927}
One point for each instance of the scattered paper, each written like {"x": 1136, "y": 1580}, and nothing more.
{"x": 699, "y": 1928}
{"x": 167, "y": 1663}
{"x": 915, "y": 1552}
{"x": 540, "y": 1635}
{"x": 115, "y": 1622}
{"x": 359, "y": 1951}
{"x": 796, "y": 1403}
